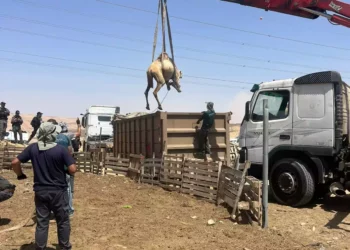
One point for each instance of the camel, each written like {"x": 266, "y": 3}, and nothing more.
{"x": 162, "y": 70}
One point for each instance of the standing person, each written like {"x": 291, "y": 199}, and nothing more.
{"x": 50, "y": 186}
{"x": 4, "y": 113}
{"x": 17, "y": 122}
{"x": 208, "y": 122}
{"x": 71, "y": 136}
{"x": 36, "y": 121}
{"x": 64, "y": 141}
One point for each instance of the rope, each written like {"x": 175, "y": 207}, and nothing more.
{"x": 161, "y": 101}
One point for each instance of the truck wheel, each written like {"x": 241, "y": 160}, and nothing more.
{"x": 292, "y": 183}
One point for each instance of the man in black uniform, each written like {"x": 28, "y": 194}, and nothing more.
{"x": 208, "y": 121}
{"x": 16, "y": 122}
{"x": 36, "y": 122}
{"x": 4, "y": 113}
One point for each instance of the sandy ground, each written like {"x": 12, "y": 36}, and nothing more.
{"x": 117, "y": 213}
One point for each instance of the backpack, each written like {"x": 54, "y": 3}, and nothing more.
{"x": 63, "y": 140}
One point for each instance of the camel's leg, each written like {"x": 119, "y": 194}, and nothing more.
{"x": 159, "y": 86}
{"x": 149, "y": 86}
{"x": 160, "y": 83}
{"x": 168, "y": 84}
{"x": 146, "y": 94}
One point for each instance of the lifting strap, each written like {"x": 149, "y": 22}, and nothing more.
{"x": 162, "y": 6}
{"x": 156, "y": 33}
{"x": 169, "y": 32}
{"x": 163, "y": 28}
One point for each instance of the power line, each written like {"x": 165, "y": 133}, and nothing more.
{"x": 108, "y": 73}
{"x": 227, "y": 27}
{"x": 55, "y": 8}
{"x": 114, "y": 66}
{"x": 148, "y": 42}
{"x": 142, "y": 51}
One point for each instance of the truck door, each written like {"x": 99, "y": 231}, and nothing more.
{"x": 280, "y": 122}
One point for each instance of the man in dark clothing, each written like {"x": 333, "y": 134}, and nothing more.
{"x": 208, "y": 121}
{"x": 4, "y": 113}
{"x": 16, "y": 122}
{"x": 50, "y": 186}
{"x": 6, "y": 189}
{"x": 37, "y": 120}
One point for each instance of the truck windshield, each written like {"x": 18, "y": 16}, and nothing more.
{"x": 277, "y": 102}
{"x": 104, "y": 118}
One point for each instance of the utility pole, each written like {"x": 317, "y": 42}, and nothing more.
{"x": 265, "y": 164}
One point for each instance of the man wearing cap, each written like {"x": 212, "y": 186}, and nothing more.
{"x": 16, "y": 122}
{"x": 37, "y": 120}
{"x": 208, "y": 122}
{"x": 49, "y": 160}
{"x": 4, "y": 113}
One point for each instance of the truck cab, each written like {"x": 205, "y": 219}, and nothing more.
{"x": 97, "y": 123}
{"x": 308, "y": 135}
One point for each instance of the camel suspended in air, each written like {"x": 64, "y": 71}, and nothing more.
{"x": 163, "y": 70}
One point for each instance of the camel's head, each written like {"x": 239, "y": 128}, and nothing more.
{"x": 176, "y": 84}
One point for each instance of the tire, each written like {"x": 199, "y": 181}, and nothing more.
{"x": 282, "y": 176}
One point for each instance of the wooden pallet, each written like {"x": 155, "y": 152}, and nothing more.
{"x": 8, "y": 153}
{"x": 116, "y": 165}
{"x": 150, "y": 169}
{"x": 83, "y": 161}
{"x": 231, "y": 184}
{"x": 171, "y": 172}
{"x": 253, "y": 195}
{"x": 134, "y": 170}
{"x": 200, "y": 179}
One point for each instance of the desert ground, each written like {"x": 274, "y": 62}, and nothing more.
{"x": 114, "y": 212}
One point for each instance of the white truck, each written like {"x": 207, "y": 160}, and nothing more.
{"x": 309, "y": 128}
{"x": 98, "y": 127}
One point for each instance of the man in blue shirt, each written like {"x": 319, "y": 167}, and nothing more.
{"x": 50, "y": 185}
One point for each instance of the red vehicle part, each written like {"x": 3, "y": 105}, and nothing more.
{"x": 311, "y": 9}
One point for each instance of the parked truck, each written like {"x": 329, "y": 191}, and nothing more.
{"x": 97, "y": 122}
{"x": 309, "y": 128}
{"x": 170, "y": 133}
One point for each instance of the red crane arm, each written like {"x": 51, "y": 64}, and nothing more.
{"x": 304, "y": 8}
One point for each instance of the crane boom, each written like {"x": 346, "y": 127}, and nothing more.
{"x": 311, "y": 9}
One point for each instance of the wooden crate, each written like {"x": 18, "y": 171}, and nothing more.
{"x": 200, "y": 179}
{"x": 116, "y": 165}
{"x": 170, "y": 174}
{"x": 150, "y": 170}
{"x": 253, "y": 196}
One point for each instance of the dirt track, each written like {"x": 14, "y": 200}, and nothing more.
{"x": 159, "y": 219}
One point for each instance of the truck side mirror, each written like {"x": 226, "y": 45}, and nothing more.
{"x": 247, "y": 111}
{"x": 83, "y": 122}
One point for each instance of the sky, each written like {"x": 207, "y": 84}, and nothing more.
{"x": 234, "y": 46}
